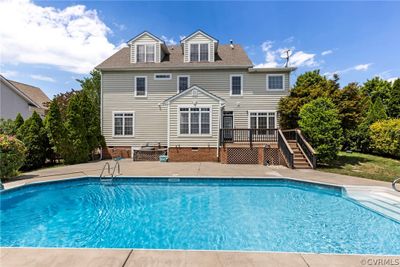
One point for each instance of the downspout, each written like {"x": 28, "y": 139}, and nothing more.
{"x": 101, "y": 111}
{"x": 168, "y": 126}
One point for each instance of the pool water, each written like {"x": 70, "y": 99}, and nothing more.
{"x": 198, "y": 214}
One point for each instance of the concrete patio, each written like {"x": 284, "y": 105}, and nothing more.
{"x": 126, "y": 257}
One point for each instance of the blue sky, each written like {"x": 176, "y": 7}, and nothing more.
{"x": 51, "y": 43}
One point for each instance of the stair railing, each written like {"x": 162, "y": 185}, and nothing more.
{"x": 306, "y": 148}
{"x": 286, "y": 150}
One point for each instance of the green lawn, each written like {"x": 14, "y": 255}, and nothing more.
{"x": 366, "y": 166}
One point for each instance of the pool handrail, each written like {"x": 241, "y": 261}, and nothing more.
{"x": 104, "y": 167}
{"x": 394, "y": 184}
{"x": 115, "y": 167}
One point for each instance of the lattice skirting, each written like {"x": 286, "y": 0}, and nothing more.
{"x": 236, "y": 155}
{"x": 273, "y": 156}
{"x": 151, "y": 155}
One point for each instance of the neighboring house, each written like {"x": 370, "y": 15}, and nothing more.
{"x": 181, "y": 96}
{"x": 16, "y": 97}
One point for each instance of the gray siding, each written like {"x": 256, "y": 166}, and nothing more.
{"x": 151, "y": 118}
{"x": 11, "y": 104}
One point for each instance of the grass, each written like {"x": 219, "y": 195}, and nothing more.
{"x": 365, "y": 166}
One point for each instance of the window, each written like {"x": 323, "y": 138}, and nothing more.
{"x": 275, "y": 82}
{"x": 199, "y": 52}
{"x": 123, "y": 123}
{"x": 183, "y": 83}
{"x": 236, "y": 84}
{"x": 140, "y": 86}
{"x": 262, "y": 120}
{"x": 162, "y": 76}
{"x": 145, "y": 53}
{"x": 195, "y": 120}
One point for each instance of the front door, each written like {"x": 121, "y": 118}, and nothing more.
{"x": 227, "y": 123}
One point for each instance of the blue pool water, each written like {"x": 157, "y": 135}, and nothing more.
{"x": 206, "y": 214}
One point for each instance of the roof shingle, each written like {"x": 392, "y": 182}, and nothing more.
{"x": 34, "y": 93}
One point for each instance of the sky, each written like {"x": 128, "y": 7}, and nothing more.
{"x": 50, "y": 44}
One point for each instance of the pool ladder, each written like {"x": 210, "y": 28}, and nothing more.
{"x": 394, "y": 184}
{"x": 111, "y": 175}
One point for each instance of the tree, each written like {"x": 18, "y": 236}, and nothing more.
{"x": 76, "y": 133}
{"x": 12, "y": 155}
{"x": 393, "y": 106}
{"x": 7, "y": 127}
{"x": 18, "y": 121}
{"x": 377, "y": 88}
{"x": 320, "y": 123}
{"x": 377, "y": 112}
{"x": 385, "y": 137}
{"x": 33, "y": 134}
{"x": 63, "y": 100}
{"x": 56, "y": 130}
{"x": 309, "y": 86}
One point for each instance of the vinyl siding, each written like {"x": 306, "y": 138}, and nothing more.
{"x": 11, "y": 104}
{"x": 199, "y": 38}
{"x": 145, "y": 39}
{"x": 151, "y": 119}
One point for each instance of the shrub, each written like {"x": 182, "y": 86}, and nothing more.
{"x": 385, "y": 137}
{"x": 7, "y": 127}
{"x": 320, "y": 123}
{"x": 12, "y": 156}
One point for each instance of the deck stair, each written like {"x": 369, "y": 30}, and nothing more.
{"x": 299, "y": 160}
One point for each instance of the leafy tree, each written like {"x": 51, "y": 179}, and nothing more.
{"x": 63, "y": 100}
{"x": 309, "y": 86}
{"x": 18, "y": 121}
{"x": 33, "y": 134}
{"x": 377, "y": 88}
{"x": 12, "y": 155}
{"x": 377, "y": 112}
{"x": 320, "y": 123}
{"x": 385, "y": 137}
{"x": 394, "y": 100}
{"x": 76, "y": 133}
{"x": 56, "y": 130}
{"x": 7, "y": 127}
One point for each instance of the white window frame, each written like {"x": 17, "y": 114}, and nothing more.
{"x": 198, "y": 56}
{"x": 178, "y": 130}
{"x": 241, "y": 84}
{"x": 283, "y": 82}
{"x": 145, "y": 87}
{"x": 177, "y": 81}
{"x": 261, "y": 111}
{"x": 123, "y": 124}
{"x": 162, "y": 79}
{"x": 145, "y": 52}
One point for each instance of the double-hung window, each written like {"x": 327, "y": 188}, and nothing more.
{"x": 275, "y": 82}
{"x": 123, "y": 123}
{"x": 262, "y": 120}
{"x": 236, "y": 85}
{"x": 194, "y": 120}
{"x": 145, "y": 53}
{"x": 141, "y": 86}
{"x": 199, "y": 52}
{"x": 183, "y": 83}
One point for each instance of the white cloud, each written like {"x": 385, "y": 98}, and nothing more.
{"x": 362, "y": 67}
{"x": 72, "y": 39}
{"x": 359, "y": 67}
{"x": 168, "y": 41}
{"x": 289, "y": 40}
{"x": 181, "y": 37}
{"x": 273, "y": 57}
{"x": 9, "y": 73}
{"x": 327, "y": 52}
{"x": 42, "y": 78}
{"x": 393, "y": 79}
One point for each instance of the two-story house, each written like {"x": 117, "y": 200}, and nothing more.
{"x": 180, "y": 97}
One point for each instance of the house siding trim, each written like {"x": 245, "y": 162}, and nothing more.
{"x": 199, "y": 135}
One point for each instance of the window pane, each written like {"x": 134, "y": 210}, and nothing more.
{"x": 275, "y": 82}
{"x": 184, "y": 123}
{"x": 205, "y": 123}
{"x": 194, "y": 122}
{"x": 140, "y": 53}
{"x": 128, "y": 125}
{"x": 203, "y": 52}
{"x": 150, "y": 53}
{"x": 236, "y": 85}
{"x": 183, "y": 83}
{"x": 194, "y": 52}
{"x": 262, "y": 122}
{"x": 118, "y": 125}
{"x": 140, "y": 86}
{"x": 253, "y": 122}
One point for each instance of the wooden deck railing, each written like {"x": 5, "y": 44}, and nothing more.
{"x": 237, "y": 135}
{"x": 305, "y": 147}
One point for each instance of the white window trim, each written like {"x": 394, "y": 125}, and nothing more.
{"x": 198, "y": 56}
{"x": 177, "y": 81}
{"x": 241, "y": 84}
{"x": 178, "y": 130}
{"x": 162, "y": 79}
{"x": 145, "y": 77}
{"x": 123, "y": 124}
{"x": 264, "y": 111}
{"x": 283, "y": 82}
{"x": 145, "y": 52}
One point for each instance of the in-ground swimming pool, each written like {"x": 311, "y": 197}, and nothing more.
{"x": 199, "y": 214}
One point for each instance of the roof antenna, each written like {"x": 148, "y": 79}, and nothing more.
{"x": 286, "y": 55}
{"x": 231, "y": 45}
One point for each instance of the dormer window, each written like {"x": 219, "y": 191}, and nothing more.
{"x": 145, "y": 53}
{"x": 199, "y": 52}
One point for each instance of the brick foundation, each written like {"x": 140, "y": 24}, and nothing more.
{"x": 185, "y": 154}
{"x": 116, "y": 151}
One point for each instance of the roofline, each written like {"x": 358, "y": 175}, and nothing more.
{"x": 194, "y": 86}
{"x": 149, "y": 33}
{"x": 176, "y": 68}
{"x": 288, "y": 69}
{"x": 199, "y": 30}
{"x": 19, "y": 92}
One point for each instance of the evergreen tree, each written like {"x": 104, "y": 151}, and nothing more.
{"x": 33, "y": 134}
{"x": 394, "y": 100}
{"x": 76, "y": 133}
{"x": 377, "y": 112}
{"x": 56, "y": 130}
{"x": 18, "y": 121}
{"x": 377, "y": 88}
